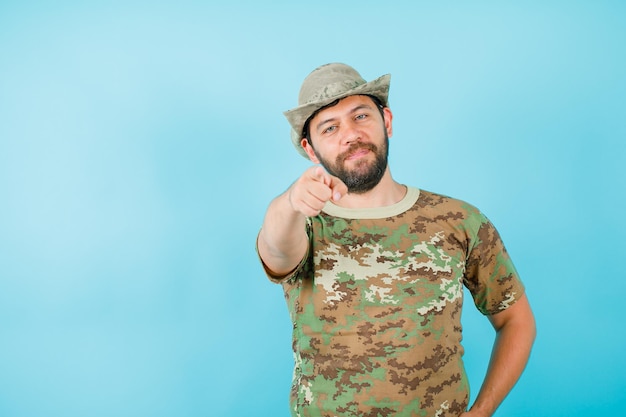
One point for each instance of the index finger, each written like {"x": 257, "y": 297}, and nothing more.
{"x": 322, "y": 176}
{"x": 338, "y": 187}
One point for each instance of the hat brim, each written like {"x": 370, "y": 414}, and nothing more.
{"x": 298, "y": 116}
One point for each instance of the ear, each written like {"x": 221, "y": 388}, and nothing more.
{"x": 309, "y": 150}
{"x": 388, "y": 117}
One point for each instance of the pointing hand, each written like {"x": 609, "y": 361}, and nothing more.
{"x": 313, "y": 189}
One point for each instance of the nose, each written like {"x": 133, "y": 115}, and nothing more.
{"x": 351, "y": 132}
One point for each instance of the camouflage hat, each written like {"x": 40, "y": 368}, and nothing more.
{"x": 326, "y": 84}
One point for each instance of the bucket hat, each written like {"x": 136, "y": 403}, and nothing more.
{"x": 326, "y": 84}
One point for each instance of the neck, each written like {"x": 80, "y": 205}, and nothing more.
{"x": 385, "y": 193}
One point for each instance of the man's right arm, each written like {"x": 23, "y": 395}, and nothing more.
{"x": 283, "y": 241}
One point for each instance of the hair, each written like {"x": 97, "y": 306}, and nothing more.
{"x": 306, "y": 132}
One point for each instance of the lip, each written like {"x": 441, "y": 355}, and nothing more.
{"x": 359, "y": 153}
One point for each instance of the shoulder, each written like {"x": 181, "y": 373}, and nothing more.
{"x": 444, "y": 204}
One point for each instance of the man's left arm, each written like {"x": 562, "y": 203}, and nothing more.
{"x": 515, "y": 334}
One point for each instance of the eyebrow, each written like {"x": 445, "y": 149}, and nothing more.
{"x": 354, "y": 110}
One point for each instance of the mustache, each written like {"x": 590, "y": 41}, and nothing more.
{"x": 354, "y": 148}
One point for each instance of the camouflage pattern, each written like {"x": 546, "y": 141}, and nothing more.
{"x": 376, "y": 307}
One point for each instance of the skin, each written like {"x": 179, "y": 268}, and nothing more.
{"x": 343, "y": 129}
{"x": 515, "y": 334}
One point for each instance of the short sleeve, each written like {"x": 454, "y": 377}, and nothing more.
{"x": 490, "y": 274}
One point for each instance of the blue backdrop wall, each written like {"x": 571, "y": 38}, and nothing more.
{"x": 140, "y": 143}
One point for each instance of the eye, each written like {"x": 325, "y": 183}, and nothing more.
{"x": 361, "y": 116}
{"x": 329, "y": 129}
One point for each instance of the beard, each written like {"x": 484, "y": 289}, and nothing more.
{"x": 366, "y": 174}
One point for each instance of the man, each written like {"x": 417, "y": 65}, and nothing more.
{"x": 373, "y": 271}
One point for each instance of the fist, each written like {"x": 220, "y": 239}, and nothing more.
{"x": 314, "y": 189}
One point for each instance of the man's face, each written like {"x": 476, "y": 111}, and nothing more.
{"x": 351, "y": 141}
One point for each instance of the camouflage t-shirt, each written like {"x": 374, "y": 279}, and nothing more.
{"x": 376, "y": 306}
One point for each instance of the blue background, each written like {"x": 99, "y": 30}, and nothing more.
{"x": 140, "y": 143}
